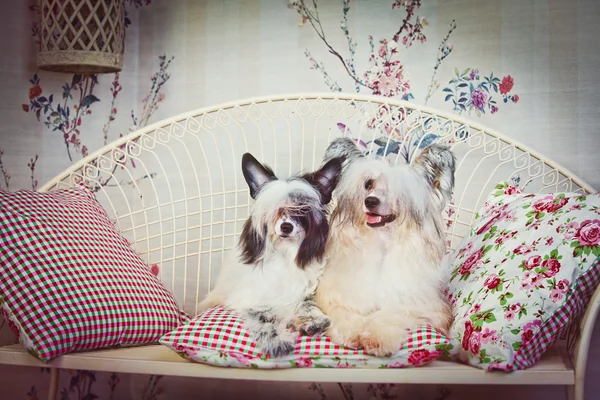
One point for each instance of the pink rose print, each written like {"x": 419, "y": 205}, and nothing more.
{"x": 571, "y": 230}
{"x": 533, "y": 261}
{"x": 304, "y": 362}
{"x": 488, "y": 336}
{"x": 589, "y": 233}
{"x": 241, "y": 358}
{"x": 509, "y": 315}
{"x": 556, "y": 295}
{"x": 512, "y": 190}
{"x": 492, "y": 282}
{"x": 522, "y": 249}
{"x": 471, "y": 263}
{"x": 515, "y": 98}
{"x": 343, "y": 364}
{"x": 488, "y": 225}
{"x": 549, "y": 204}
{"x": 531, "y": 280}
{"x": 422, "y": 356}
{"x": 575, "y": 207}
{"x": 186, "y": 350}
{"x": 397, "y": 364}
{"x": 476, "y": 308}
{"x": 528, "y": 328}
{"x": 553, "y": 267}
{"x": 475, "y": 342}
{"x": 517, "y": 307}
{"x": 466, "y": 249}
{"x": 471, "y": 340}
{"x": 549, "y": 241}
{"x": 563, "y": 285}
{"x": 467, "y": 335}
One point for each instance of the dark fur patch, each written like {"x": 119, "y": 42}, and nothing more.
{"x": 326, "y": 178}
{"x": 343, "y": 147}
{"x": 266, "y": 333}
{"x": 251, "y": 243}
{"x": 256, "y": 174}
{"x": 316, "y": 231}
{"x": 264, "y": 316}
{"x": 437, "y": 164}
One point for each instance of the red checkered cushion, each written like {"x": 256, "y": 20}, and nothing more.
{"x": 217, "y": 337}
{"x": 70, "y": 282}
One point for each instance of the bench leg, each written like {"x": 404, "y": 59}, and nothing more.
{"x": 54, "y": 380}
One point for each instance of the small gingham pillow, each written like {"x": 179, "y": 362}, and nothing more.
{"x": 217, "y": 337}
{"x": 527, "y": 270}
{"x": 70, "y": 282}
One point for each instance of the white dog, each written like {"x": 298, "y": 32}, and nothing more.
{"x": 383, "y": 264}
{"x": 271, "y": 277}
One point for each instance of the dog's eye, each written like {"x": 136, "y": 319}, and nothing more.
{"x": 369, "y": 184}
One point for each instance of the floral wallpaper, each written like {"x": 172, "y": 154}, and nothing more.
{"x": 501, "y": 63}
{"x": 466, "y": 91}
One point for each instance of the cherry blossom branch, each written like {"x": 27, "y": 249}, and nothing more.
{"x": 31, "y": 165}
{"x": 115, "y": 88}
{"x": 410, "y": 12}
{"x": 150, "y": 104}
{"x": 333, "y": 85}
{"x": 443, "y": 52}
{"x": 154, "y": 97}
{"x": 5, "y": 173}
{"x": 351, "y": 43}
{"x": 315, "y": 22}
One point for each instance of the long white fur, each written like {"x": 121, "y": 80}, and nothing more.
{"x": 277, "y": 282}
{"x": 379, "y": 282}
{"x": 273, "y": 294}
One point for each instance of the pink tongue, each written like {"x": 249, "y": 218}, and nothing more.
{"x": 373, "y": 219}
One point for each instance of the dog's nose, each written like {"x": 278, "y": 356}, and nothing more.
{"x": 371, "y": 202}
{"x": 287, "y": 228}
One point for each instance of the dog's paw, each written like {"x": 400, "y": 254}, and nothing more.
{"x": 382, "y": 344}
{"x": 316, "y": 326}
{"x": 310, "y": 326}
{"x": 277, "y": 347}
{"x": 349, "y": 341}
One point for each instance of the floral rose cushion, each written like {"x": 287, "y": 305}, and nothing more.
{"x": 217, "y": 337}
{"x": 69, "y": 281}
{"x": 527, "y": 269}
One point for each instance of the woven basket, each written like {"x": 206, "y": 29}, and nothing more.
{"x": 81, "y": 36}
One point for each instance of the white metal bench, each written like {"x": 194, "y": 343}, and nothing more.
{"x": 184, "y": 202}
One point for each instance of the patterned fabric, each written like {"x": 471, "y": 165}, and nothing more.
{"x": 217, "y": 337}
{"x": 69, "y": 281}
{"x": 527, "y": 270}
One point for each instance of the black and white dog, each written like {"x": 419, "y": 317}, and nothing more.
{"x": 271, "y": 278}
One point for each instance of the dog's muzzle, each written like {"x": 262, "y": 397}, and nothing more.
{"x": 376, "y": 220}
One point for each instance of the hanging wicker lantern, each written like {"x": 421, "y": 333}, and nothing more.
{"x": 81, "y": 36}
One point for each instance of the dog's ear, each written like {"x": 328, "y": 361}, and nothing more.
{"x": 436, "y": 163}
{"x": 255, "y": 173}
{"x": 326, "y": 178}
{"x": 343, "y": 147}
{"x": 315, "y": 238}
{"x": 252, "y": 243}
